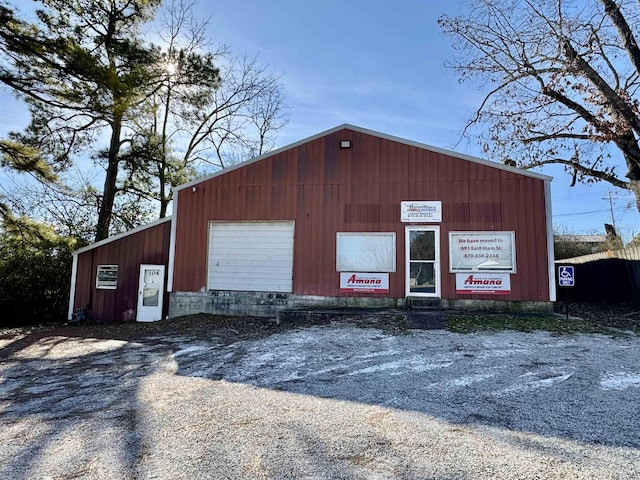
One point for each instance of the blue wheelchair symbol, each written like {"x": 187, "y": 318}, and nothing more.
{"x": 566, "y": 276}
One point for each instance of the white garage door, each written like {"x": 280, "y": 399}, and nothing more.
{"x": 251, "y": 256}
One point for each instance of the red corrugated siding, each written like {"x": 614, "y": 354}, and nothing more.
{"x": 150, "y": 246}
{"x": 326, "y": 189}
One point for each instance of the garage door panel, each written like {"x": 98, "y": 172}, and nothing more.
{"x": 264, "y": 287}
{"x": 247, "y": 251}
{"x": 251, "y": 256}
{"x": 274, "y": 264}
{"x": 274, "y": 272}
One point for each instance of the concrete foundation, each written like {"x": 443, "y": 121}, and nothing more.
{"x": 266, "y": 304}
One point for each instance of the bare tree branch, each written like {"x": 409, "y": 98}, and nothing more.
{"x": 624, "y": 31}
{"x": 562, "y": 75}
{"x": 612, "y": 179}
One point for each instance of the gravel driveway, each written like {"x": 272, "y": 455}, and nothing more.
{"x": 332, "y": 401}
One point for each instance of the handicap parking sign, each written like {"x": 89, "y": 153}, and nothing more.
{"x": 566, "y": 277}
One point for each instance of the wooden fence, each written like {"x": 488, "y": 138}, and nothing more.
{"x": 609, "y": 277}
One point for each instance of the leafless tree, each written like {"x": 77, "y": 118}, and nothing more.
{"x": 200, "y": 120}
{"x": 562, "y": 78}
{"x": 70, "y": 206}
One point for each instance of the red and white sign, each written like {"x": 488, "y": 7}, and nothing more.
{"x": 364, "y": 282}
{"x": 485, "y": 283}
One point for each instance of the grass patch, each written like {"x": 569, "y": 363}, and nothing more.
{"x": 522, "y": 323}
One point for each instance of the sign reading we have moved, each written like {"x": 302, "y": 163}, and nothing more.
{"x": 482, "y": 252}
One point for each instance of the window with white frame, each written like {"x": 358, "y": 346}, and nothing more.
{"x": 366, "y": 252}
{"x": 107, "y": 277}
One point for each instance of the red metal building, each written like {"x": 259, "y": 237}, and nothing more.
{"x": 408, "y": 220}
{"x": 352, "y": 217}
{"x": 106, "y": 276}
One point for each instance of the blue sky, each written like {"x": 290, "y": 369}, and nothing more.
{"x": 377, "y": 64}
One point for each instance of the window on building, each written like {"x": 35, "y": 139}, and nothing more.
{"x": 366, "y": 252}
{"x": 107, "y": 277}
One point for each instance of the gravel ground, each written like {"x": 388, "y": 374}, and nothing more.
{"x": 330, "y": 401}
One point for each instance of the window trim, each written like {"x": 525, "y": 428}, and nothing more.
{"x": 392, "y": 235}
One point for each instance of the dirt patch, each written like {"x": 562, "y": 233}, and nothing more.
{"x": 618, "y": 316}
{"x": 195, "y": 326}
{"x": 227, "y": 329}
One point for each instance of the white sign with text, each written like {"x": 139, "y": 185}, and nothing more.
{"x": 421, "y": 211}
{"x": 482, "y": 252}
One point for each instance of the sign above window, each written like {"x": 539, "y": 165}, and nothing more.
{"x": 421, "y": 212}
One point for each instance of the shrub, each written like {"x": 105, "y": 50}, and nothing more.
{"x": 35, "y": 273}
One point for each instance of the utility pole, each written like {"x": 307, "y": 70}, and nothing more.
{"x": 610, "y": 198}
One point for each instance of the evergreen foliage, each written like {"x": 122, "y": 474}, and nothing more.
{"x": 35, "y": 270}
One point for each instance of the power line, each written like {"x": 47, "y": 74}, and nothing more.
{"x": 590, "y": 212}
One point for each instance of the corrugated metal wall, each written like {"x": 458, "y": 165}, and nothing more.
{"x": 326, "y": 189}
{"x": 147, "y": 246}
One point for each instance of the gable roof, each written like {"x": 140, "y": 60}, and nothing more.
{"x": 372, "y": 133}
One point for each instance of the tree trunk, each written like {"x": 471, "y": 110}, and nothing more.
{"x": 164, "y": 164}
{"x": 631, "y": 152}
{"x": 634, "y": 187}
{"x": 164, "y": 203}
{"x": 110, "y": 182}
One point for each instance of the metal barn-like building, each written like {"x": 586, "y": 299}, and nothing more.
{"x": 349, "y": 217}
{"x": 105, "y": 276}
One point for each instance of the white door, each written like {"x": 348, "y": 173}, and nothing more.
{"x": 150, "y": 293}
{"x": 422, "y": 261}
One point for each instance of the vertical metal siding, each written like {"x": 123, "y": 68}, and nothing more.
{"x": 326, "y": 189}
{"x": 84, "y": 280}
{"x": 150, "y": 246}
